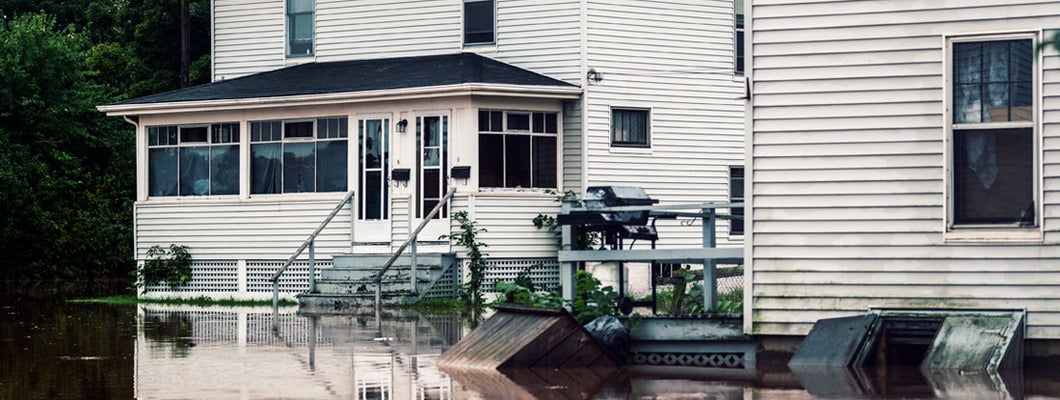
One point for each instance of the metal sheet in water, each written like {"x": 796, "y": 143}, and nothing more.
{"x": 975, "y": 342}
{"x": 834, "y": 341}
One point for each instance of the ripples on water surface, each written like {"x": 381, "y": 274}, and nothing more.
{"x": 56, "y": 350}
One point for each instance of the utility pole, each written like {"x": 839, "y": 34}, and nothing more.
{"x": 185, "y": 45}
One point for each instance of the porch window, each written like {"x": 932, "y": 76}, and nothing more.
{"x": 736, "y": 187}
{"x": 194, "y": 160}
{"x": 373, "y": 140}
{"x": 629, "y": 127}
{"x": 994, "y": 161}
{"x": 298, "y": 156}
{"x": 478, "y": 21}
{"x": 300, "y": 28}
{"x": 517, "y": 149}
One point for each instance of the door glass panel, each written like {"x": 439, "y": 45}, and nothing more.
{"x": 374, "y": 153}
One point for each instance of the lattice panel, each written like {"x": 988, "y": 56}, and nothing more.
{"x": 206, "y": 276}
{"x": 445, "y": 286}
{"x": 712, "y": 360}
{"x": 200, "y": 326}
{"x": 545, "y": 275}
{"x": 294, "y": 280}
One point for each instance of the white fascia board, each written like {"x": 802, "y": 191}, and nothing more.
{"x": 468, "y": 89}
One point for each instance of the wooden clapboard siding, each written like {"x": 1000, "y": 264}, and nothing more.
{"x": 248, "y": 37}
{"x": 540, "y": 35}
{"x": 676, "y": 59}
{"x": 233, "y": 230}
{"x": 382, "y": 28}
{"x": 508, "y": 220}
{"x": 848, "y": 168}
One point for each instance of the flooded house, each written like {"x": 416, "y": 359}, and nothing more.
{"x": 403, "y": 104}
{"x": 905, "y": 160}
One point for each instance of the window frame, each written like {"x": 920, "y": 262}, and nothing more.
{"x": 289, "y": 25}
{"x": 987, "y": 232}
{"x": 737, "y": 199}
{"x": 464, "y": 21}
{"x": 283, "y": 140}
{"x": 739, "y": 29}
{"x": 647, "y": 128}
{"x": 530, "y": 133}
{"x": 384, "y": 167}
{"x": 180, "y": 144}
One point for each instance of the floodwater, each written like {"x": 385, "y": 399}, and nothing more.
{"x": 51, "y": 349}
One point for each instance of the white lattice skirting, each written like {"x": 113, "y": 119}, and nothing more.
{"x": 239, "y": 280}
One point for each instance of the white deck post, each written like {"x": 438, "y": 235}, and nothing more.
{"x": 566, "y": 268}
{"x": 710, "y": 273}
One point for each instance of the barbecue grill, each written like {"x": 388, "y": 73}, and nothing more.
{"x": 613, "y": 224}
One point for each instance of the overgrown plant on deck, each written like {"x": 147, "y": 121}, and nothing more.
{"x": 590, "y": 299}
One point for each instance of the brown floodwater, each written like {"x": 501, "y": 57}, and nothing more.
{"x": 52, "y": 349}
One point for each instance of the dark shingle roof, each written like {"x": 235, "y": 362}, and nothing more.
{"x": 358, "y": 76}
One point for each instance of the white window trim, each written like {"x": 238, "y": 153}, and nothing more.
{"x": 463, "y": 25}
{"x": 284, "y": 139}
{"x": 354, "y": 162}
{"x": 630, "y": 148}
{"x": 145, "y": 185}
{"x": 505, "y": 131}
{"x": 990, "y": 233}
{"x": 292, "y": 59}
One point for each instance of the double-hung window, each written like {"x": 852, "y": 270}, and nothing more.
{"x": 993, "y": 140}
{"x": 300, "y": 28}
{"x": 298, "y": 156}
{"x": 517, "y": 149}
{"x": 736, "y": 187}
{"x": 193, "y": 160}
{"x": 738, "y": 36}
{"x": 629, "y": 127}
{"x": 478, "y": 21}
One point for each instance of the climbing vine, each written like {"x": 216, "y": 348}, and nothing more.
{"x": 467, "y": 236}
{"x": 585, "y": 240}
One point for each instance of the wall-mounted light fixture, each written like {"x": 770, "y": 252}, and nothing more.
{"x": 401, "y": 125}
{"x": 594, "y": 76}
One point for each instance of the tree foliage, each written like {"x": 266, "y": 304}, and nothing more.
{"x": 67, "y": 172}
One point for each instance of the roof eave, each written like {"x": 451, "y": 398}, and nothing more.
{"x": 464, "y": 89}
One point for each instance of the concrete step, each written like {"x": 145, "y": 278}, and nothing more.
{"x": 378, "y": 259}
{"x": 342, "y": 286}
{"x": 358, "y": 273}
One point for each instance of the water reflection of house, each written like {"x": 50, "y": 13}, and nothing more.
{"x": 311, "y": 99}
{"x": 197, "y": 353}
{"x": 904, "y": 155}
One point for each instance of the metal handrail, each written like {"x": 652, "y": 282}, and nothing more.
{"x": 308, "y": 243}
{"x": 411, "y": 239}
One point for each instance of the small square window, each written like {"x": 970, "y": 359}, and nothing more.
{"x": 629, "y": 127}
{"x": 478, "y": 21}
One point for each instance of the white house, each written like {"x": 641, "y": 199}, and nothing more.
{"x": 311, "y": 99}
{"x": 903, "y": 154}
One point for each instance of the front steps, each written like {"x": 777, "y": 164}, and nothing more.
{"x": 349, "y": 283}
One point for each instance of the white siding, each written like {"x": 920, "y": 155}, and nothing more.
{"x": 543, "y": 36}
{"x": 509, "y": 222}
{"x": 848, "y": 166}
{"x": 248, "y": 37}
{"x": 234, "y": 230}
{"x": 383, "y": 28}
{"x": 676, "y": 58}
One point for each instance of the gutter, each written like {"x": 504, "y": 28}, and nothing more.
{"x": 464, "y": 89}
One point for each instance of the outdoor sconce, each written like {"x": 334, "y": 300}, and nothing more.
{"x": 461, "y": 172}
{"x": 400, "y": 174}
{"x": 401, "y": 125}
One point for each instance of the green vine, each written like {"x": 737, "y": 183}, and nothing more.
{"x": 590, "y": 300}
{"x": 586, "y": 240}
{"x": 171, "y": 266}
{"x": 467, "y": 236}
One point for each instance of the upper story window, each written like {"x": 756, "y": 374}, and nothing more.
{"x": 479, "y": 21}
{"x": 297, "y": 156}
{"x": 738, "y": 39}
{"x": 300, "y": 28}
{"x": 517, "y": 149}
{"x": 736, "y": 187}
{"x": 193, "y": 160}
{"x": 630, "y": 127}
{"x": 993, "y": 133}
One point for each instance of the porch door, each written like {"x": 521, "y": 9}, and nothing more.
{"x": 373, "y": 190}
{"x": 432, "y": 165}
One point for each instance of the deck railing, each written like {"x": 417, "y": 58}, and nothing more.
{"x": 410, "y": 241}
{"x": 308, "y": 243}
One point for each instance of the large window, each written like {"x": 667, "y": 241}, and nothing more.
{"x": 736, "y": 187}
{"x": 994, "y": 161}
{"x": 298, "y": 156}
{"x": 517, "y": 149}
{"x": 738, "y": 38}
{"x": 478, "y": 21}
{"x": 629, "y": 127}
{"x": 373, "y": 140}
{"x": 198, "y": 160}
{"x": 299, "y": 27}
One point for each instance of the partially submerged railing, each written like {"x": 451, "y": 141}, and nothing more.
{"x": 308, "y": 243}
{"x": 709, "y": 255}
{"x": 410, "y": 241}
